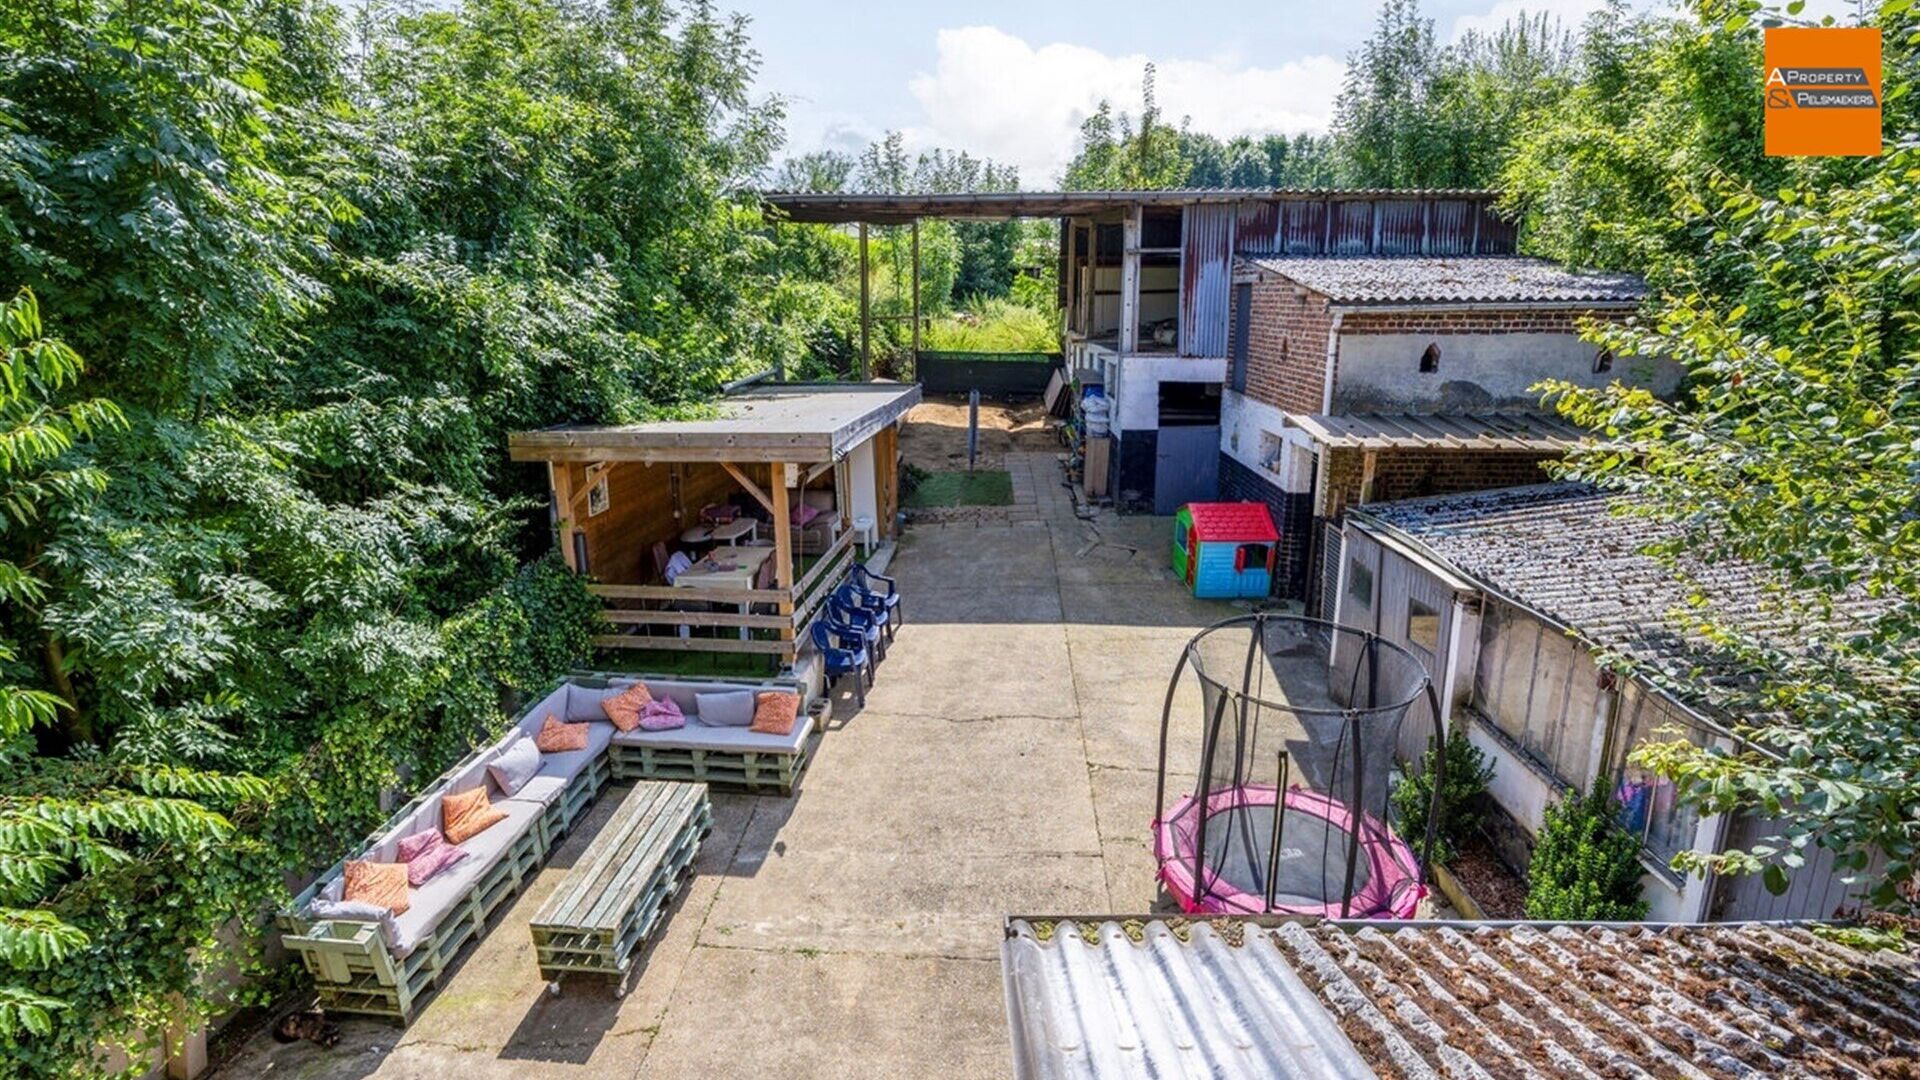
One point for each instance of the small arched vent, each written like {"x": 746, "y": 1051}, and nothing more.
{"x": 1430, "y": 360}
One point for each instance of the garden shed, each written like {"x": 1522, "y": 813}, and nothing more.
{"x": 1513, "y": 597}
{"x": 1225, "y": 549}
{"x": 725, "y": 534}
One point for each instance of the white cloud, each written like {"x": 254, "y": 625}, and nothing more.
{"x": 994, "y": 95}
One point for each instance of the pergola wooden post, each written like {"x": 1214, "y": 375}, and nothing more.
{"x": 866, "y": 312}
{"x": 782, "y": 545}
{"x": 560, "y": 476}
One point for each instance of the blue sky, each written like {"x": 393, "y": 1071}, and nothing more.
{"x": 1013, "y": 80}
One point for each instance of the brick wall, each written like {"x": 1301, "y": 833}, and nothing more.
{"x": 1407, "y": 474}
{"x": 1519, "y": 320}
{"x": 1292, "y": 515}
{"x": 1287, "y": 345}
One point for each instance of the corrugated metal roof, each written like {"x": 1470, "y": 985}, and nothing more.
{"x": 1142, "y": 997}
{"x": 1206, "y": 269}
{"x": 882, "y": 208}
{"x": 1478, "y": 279}
{"x": 1571, "y": 552}
{"x": 1454, "y": 431}
{"x": 1166, "y": 1006}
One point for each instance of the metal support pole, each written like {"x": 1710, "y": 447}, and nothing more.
{"x": 1279, "y": 831}
{"x": 866, "y": 312}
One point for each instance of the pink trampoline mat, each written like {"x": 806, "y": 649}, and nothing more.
{"x": 1386, "y": 886}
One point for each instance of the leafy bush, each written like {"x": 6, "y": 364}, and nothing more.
{"x": 996, "y": 324}
{"x": 1584, "y": 866}
{"x": 1462, "y": 795}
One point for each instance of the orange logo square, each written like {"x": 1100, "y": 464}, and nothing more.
{"x": 1823, "y": 91}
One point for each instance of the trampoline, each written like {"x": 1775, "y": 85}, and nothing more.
{"x": 1298, "y": 726}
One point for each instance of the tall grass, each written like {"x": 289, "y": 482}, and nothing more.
{"x": 995, "y": 324}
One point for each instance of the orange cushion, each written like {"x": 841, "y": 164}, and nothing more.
{"x": 774, "y": 712}
{"x": 467, "y": 815}
{"x": 555, "y": 736}
{"x": 381, "y": 883}
{"x": 624, "y": 707}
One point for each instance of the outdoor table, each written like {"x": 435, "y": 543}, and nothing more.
{"x": 722, "y": 534}
{"x": 706, "y": 573}
{"x": 618, "y": 888}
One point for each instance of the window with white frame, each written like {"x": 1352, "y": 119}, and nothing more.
{"x": 1423, "y": 626}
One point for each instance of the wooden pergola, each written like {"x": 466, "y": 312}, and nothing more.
{"x": 618, "y": 490}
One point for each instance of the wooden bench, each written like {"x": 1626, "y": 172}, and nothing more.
{"x": 613, "y": 897}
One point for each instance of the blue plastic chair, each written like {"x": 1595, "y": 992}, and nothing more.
{"x": 883, "y": 591}
{"x": 847, "y": 596}
{"x": 844, "y": 651}
{"x": 853, "y": 616}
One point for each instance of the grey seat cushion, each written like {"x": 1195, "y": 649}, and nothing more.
{"x": 431, "y": 903}
{"x": 568, "y": 764}
{"x": 542, "y": 789}
{"x": 699, "y": 736}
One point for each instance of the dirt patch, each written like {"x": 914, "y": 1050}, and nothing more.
{"x": 934, "y": 436}
{"x": 1498, "y": 891}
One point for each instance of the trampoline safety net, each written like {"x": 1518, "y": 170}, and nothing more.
{"x": 1289, "y": 812}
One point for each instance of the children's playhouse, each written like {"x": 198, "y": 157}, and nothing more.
{"x": 1225, "y": 549}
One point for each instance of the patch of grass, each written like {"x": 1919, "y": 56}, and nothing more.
{"x": 986, "y": 487}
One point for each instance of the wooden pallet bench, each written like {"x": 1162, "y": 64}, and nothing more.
{"x": 618, "y": 889}
{"x": 749, "y": 770}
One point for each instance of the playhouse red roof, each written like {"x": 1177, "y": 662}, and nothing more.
{"x": 1233, "y": 521}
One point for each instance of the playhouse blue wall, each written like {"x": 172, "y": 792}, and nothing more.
{"x": 1215, "y": 578}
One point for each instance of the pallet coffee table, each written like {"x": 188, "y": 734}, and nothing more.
{"x": 614, "y": 896}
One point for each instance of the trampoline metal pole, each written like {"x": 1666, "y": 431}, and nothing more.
{"x": 1279, "y": 829}
{"x": 1166, "y": 717}
{"x": 1439, "y": 779}
{"x": 1200, "y": 884}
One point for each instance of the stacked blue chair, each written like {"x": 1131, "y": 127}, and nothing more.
{"x": 878, "y": 592}
{"x": 844, "y": 650}
{"x": 844, "y": 607}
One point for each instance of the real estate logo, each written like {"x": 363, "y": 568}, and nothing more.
{"x": 1823, "y": 91}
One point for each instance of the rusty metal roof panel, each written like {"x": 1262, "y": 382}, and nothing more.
{"x": 1206, "y": 267}
{"x": 1231, "y": 997}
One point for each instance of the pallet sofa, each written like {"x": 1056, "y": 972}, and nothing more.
{"x": 384, "y": 968}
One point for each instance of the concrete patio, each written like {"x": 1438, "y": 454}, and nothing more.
{"x": 1004, "y": 763}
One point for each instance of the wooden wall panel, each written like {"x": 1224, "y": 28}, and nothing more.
{"x": 646, "y": 504}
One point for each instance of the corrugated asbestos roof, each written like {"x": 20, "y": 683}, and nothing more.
{"x": 1567, "y": 552}
{"x": 1478, "y": 279}
{"x": 1454, "y": 431}
{"x": 1231, "y": 998}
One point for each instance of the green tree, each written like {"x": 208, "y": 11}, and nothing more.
{"x": 1118, "y": 154}
{"x": 1796, "y": 450}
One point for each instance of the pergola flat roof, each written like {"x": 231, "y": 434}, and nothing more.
{"x": 1417, "y": 431}
{"x": 788, "y": 422}
{"x": 885, "y": 209}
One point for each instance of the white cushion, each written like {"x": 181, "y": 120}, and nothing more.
{"x": 514, "y": 764}
{"x": 733, "y": 708}
{"x": 583, "y": 702}
{"x": 700, "y": 736}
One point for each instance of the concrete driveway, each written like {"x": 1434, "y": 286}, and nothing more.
{"x": 1004, "y": 763}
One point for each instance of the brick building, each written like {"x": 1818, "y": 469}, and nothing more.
{"x": 1362, "y": 379}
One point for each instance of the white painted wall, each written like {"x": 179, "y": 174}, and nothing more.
{"x": 1381, "y": 372}
{"x": 1245, "y": 422}
{"x": 1135, "y": 387}
{"x": 863, "y": 492}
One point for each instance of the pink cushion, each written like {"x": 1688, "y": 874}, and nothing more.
{"x": 802, "y": 514}
{"x": 662, "y": 714}
{"x": 426, "y": 854}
